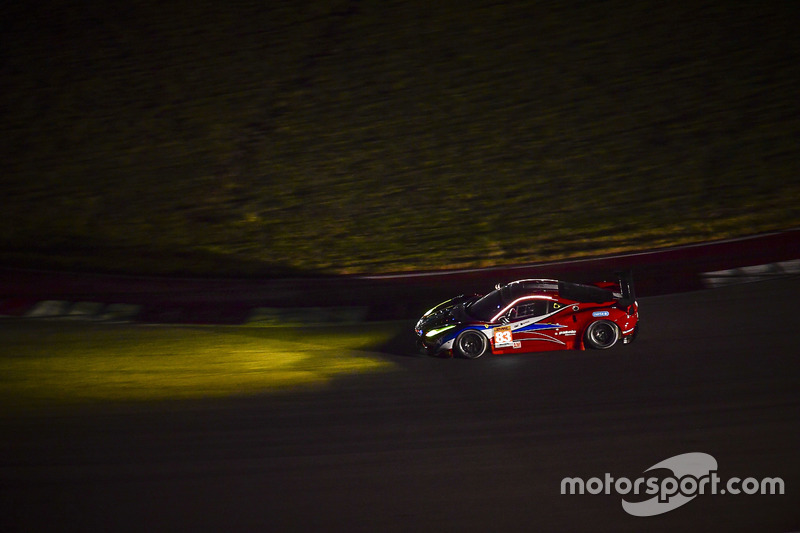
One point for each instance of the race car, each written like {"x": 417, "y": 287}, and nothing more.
{"x": 532, "y": 315}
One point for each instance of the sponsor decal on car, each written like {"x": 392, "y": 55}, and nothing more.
{"x": 566, "y": 332}
{"x": 600, "y": 313}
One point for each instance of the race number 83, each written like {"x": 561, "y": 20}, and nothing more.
{"x": 502, "y": 336}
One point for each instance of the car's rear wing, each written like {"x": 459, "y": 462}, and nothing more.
{"x": 626, "y": 288}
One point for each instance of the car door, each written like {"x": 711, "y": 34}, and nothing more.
{"x": 528, "y": 330}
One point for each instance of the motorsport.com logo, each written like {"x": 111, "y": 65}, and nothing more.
{"x": 693, "y": 474}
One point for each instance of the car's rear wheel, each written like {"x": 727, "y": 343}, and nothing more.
{"x": 471, "y": 344}
{"x": 602, "y": 335}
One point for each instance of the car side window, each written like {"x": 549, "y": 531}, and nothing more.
{"x": 528, "y": 309}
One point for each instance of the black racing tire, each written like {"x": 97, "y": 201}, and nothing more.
{"x": 601, "y": 335}
{"x": 471, "y": 344}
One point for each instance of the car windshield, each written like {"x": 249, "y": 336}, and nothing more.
{"x": 486, "y": 307}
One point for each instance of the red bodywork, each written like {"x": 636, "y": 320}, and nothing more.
{"x": 575, "y": 318}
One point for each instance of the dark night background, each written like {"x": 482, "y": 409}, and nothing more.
{"x": 249, "y": 138}
{"x": 273, "y": 139}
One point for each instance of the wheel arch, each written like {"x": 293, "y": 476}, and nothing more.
{"x": 596, "y": 324}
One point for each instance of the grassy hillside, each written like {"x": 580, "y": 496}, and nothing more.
{"x": 236, "y": 138}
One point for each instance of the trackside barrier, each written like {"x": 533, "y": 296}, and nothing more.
{"x": 342, "y": 299}
{"x": 48, "y": 309}
{"x": 748, "y": 274}
{"x": 321, "y": 315}
{"x": 118, "y": 313}
{"x": 84, "y": 310}
{"x": 60, "y": 309}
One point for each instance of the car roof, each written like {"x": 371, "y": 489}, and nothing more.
{"x": 523, "y": 287}
{"x": 577, "y": 292}
{"x": 533, "y": 285}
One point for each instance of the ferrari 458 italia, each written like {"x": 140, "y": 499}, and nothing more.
{"x": 532, "y": 315}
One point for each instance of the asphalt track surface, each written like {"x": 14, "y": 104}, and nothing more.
{"x": 445, "y": 444}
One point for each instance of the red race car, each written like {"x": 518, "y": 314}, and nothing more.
{"x": 532, "y": 315}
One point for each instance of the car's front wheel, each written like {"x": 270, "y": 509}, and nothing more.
{"x": 471, "y": 344}
{"x": 602, "y": 335}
